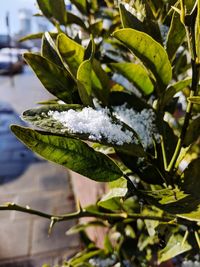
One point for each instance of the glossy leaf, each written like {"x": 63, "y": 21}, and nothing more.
{"x": 45, "y": 7}
{"x": 71, "y": 52}
{"x": 173, "y": 89}
{"x": 177, "y": 202}
{"x": 56, "y": 80}
{"x": 49, "y": 49}
{"x": 41, "y": 118}
{"x": 73, "y": 19}
{"x": 100, "y": 82}
{"x": 136, "y": 74}
{"x": 190, "y": 179}
{"x": 84, "y": 82}
{"x": 59, "y": 11}
{"x": 81, "y": 5}
{"x": 111, "y": 200}
{"x": 175, "y": 37}
{"x": 71, "y": 153}
{"x": 36, "y": 36}
{"x": 193, "y": 132}
{"x": 129, "y": 20}
{"x": 151, "y": 53}
{"x": 174, "y": 247}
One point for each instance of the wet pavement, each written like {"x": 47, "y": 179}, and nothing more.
{"x": 27, "y": 180}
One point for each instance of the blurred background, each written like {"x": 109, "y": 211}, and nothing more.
{"x": 24, "y": 178}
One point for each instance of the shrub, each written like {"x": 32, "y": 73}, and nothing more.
{"x": 125, "y": 112}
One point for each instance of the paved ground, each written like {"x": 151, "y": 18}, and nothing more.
{"x": 42, "y": 185}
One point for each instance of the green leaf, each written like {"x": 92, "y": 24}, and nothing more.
{"x": 194, "y": 99}
{"x": 119, "y": 98}
{"x": 49, "y": 49}
{"x": 83, "y": 226}
{"x": 45, "y": 7}
{"x": 129, "y": 20}
{"x": 173, "y": 89}
{"x": 84, "y": 82}
{"x": 36, "y": 36}
{"x": 59, "y": 11}
{"x": 56, "y": 80}
{"x": 190, "y": 180}
{"x": 71, "y": 153}
{"x": 176, "y": 201}
{"x": 73, "y": 19}
{"x": 193, "y": 132}
{"x": 150, "y": 52}
{"x": 71, "y": 52}
{"x": 136, "y": 74}
{"x": 111, "y": 200}
{"x": 100, "y": 82}
{"x": 174, "y": 247}
{"x": 175, "y": 37}
{"x": 81, "y": 5}
{"x": 41, "y": 118}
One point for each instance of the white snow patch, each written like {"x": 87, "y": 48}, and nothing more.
{"x": 99, "y": 125}
{"x": 143, "y": 123}
{"x": 96, "y": 123}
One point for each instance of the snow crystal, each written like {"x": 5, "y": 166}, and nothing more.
{"x": 99, "y": 125}
{"x": 143, "y": 123}
{"x": 96, "y": 123}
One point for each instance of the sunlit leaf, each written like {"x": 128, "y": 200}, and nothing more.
{"x": 84, "y": 82}
{"x": 71, "y": 153}
{"x": 173, "y": 248}
{"x": 150, "y": 52}
{"x": 136, "y": 74}
{"x": 72, "y": 53}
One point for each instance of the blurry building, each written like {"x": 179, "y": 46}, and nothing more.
{"x": 25, "y": 16}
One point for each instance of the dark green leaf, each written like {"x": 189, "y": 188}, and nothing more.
{"x": 45, "y": 7}
{"x": 71, "y": 153}
{"x": 174, "y": 247}
{"x": 175, "y": 36}
{"x": 190, "y": 179}
{"x": 71, "y": 52}
{"x": 96, "y": 28}
{"x": 193, "y": 132}
{"x": 136, "y": 74}
{"x": 176, "y": 201}
{"x": 173, "y": 89}
{"x": 81, "y": 5}
{"x": 151, "y": 53}
{"x": 73, "y": 19}
{"x": 56, "y": 80}
{"x": 59, "y": 11}
{"x": 36, "y": 36}
{"x": 49, "y": 49}
{"x": 100, "y": 82}
{"x": 84, "y": 82}
{"x": 119, "y": 98}
{"x": 129, "y": 20}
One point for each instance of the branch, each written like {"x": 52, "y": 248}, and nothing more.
{"x": 85, "y": 213}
